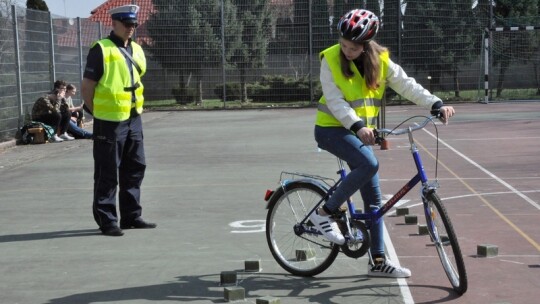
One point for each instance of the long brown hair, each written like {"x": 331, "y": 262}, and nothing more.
{"x": 371, "y": 62}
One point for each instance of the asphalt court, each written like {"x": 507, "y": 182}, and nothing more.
{"x": 204, "y": 186}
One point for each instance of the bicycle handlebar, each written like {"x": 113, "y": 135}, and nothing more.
{"x": 377, "y": 132}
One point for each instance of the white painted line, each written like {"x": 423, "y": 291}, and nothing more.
{"x": 391, "y": 252}
{"x": 515, "y": 191}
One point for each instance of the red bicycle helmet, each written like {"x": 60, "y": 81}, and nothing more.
{"x": 358, "y": 25}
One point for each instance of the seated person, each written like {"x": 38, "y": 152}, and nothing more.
{"x": 75, "y": 123}
{"x": 50, "y": 110}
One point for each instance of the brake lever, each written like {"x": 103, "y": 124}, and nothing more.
{"x": 380, "y": 141}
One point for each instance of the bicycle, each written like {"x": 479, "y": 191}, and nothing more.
{"x": 296, "y": 244}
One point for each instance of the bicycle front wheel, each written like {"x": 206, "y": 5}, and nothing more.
{"x": 305, "y": 254}
{"x": 444, "y": 238}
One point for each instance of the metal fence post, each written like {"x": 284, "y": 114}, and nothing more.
{"x": 17, "y": 65}
{"x": 399, "y": 34}
{"x": 52, "y": 61}
{"x": 223, "y": 61}
{"x": 310, "y": 61}
{"x": 79, "y": 45}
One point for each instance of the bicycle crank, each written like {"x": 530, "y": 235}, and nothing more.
{"x": 358, "y": 240}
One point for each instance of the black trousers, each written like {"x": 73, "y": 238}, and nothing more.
{"x": 59, "y": 121}
{"x": 119, "y": 163}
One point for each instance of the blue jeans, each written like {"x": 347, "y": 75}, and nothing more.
{"x": 362, "y": 176}
{"x": 78, "y": 132}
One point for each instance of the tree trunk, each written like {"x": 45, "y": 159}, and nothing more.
{"x": 243, "y": 86}
{"x": 200, "y": 93}
{"x": 456, "y": 83}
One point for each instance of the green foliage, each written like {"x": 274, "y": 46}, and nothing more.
{"x": 232, "y": 90}
{"x": 272, "y": 88}
{"x": 515, "y": 13}
{"x": 255, "y": 22}
{"x": 39, "y": 5}
{"x": 341, "y": 7}
{"x": 324, "y": 33}
{"x": 184, "y": 95}
{"x": 185, "y": 30}
{"x": 278, "y": 88}
{"x": 451, "y": 28}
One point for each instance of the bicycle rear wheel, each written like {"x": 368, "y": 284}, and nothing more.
{"x": 308, "y": 253}
{"x": 445, "y": 241}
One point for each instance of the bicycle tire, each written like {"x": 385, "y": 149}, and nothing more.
{"x": 301, "y": 255}
{"x": 442, "y": 235}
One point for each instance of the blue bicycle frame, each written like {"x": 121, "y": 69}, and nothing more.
{"x": 375, "y": 216}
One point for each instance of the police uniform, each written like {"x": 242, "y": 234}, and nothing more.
{"x": 119, "y": 158}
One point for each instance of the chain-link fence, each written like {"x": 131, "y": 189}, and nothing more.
{"x": 36, "y": 49}
{"x": 264, "y": 53}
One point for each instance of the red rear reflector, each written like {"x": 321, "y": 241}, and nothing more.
{"x": 268, "y": 194}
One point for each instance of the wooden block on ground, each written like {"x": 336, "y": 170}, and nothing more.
{"x": 411, "y": 219}
{"x": 487, "y": 250}
{"x": 268, "y": 300}
{"x": 304, "y": 254}
{"x": 422, "y": 229}
{"x": 228, "y": 277}
{"x": 235, "y": 293}
{"x": 402, "y": 211}
{"x": 252, "y": 265}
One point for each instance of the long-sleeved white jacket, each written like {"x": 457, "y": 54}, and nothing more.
{"x": 397, "y": 79}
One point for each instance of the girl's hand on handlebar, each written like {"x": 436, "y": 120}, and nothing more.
{"x": 446, "y": 113}
{"x": 366, "y": 136}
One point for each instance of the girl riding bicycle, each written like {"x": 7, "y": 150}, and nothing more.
{"x": 354, "y": 74}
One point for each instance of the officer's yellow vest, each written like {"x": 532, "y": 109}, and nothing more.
{"x": 112, "y": 102}
{"x": 365, "y": 102}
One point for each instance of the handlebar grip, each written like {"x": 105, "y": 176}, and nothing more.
{"x": 378, "y": 139}
{"x": 437, "y": 113}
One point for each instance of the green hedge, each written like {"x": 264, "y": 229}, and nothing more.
{"x": 276, "y": 88}
{"x": 184, "y": 95}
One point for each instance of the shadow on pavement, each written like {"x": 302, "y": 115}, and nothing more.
{"x": 47, "y": 235}
{"x": 290, "y": 289}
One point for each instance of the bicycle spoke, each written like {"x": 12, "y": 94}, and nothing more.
{"x": 444, "y": 238}
{"x": 303, "y": 254}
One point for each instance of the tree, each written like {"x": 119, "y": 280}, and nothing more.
{"x": 36, "y": 34}
{"x": 300, "y": 27}
{"x": 38, "y": 5}
{"x": 6, "y": 43}
{"x": 343, "y": 6}
{"x": 514, "y": 13}
{"x": 186, "y": 39}
{"x": 323, "y": 31}
{"x": 255, "y": 23}
{"x": 450, "y": 28}
{"x": 6, "y": 36}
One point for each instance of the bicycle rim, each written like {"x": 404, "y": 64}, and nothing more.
{"x": 445, "y": 241}
{"x": 304, "y": 255}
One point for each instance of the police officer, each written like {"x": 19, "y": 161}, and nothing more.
{"x": 113, "y": 92}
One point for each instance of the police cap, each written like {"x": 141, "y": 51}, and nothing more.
{"x": 125, "y": 13}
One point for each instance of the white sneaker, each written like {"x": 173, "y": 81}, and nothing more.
{"x": 56, "y": 139}
{"x": 328, "y": 227}
{"x": 65, "y": 136}
{"x": 385, "y": 268}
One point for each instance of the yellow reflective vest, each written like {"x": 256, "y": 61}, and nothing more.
{"x": 112, "y": 97}
{"x": 365, "y": 102}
